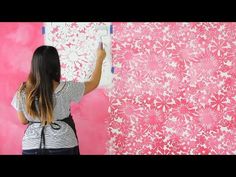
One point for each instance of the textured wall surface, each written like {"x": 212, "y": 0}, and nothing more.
{"x": 174, "y": 89}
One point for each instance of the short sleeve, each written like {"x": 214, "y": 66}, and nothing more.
{"x": 16, "y": 103}
{"x": 76, "y": 90}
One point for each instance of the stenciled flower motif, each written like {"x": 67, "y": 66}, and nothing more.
{"x": 174, "y": 91}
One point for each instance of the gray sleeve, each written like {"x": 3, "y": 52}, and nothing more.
{"x": 76, "y": 90}
{"x": 16, "y": 103}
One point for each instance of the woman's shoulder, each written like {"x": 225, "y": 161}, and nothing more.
{"x": 21, "y": 90}
{"x": 71, "y": 86}
{"x": 64, "y": 86}
{"x": 72, "y": 83}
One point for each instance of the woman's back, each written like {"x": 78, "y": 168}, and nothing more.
{"x": 59, "y": 135}
{"x": 44, "y": 104}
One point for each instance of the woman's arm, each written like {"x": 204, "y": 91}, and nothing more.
{"x": 96, "y": 75}
{"x": 20, "y": 114}
{"x": 22, "y": 118}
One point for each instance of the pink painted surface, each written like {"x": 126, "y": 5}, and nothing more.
{"x": 174, "y": 90}
{"x": 90, "y": 117}
{"x": 18, "y": 41}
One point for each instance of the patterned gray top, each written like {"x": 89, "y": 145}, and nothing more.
{"x": 65, "y": 93}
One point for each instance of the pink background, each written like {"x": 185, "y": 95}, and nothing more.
{"x": 18, "y": 41}
{"x": 174, "y": 90}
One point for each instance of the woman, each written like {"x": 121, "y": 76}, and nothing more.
{"x": 43, "y": 102}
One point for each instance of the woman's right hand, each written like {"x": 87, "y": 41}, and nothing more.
{"x": 96, "y": 75}
{"x": 101, "y": 54}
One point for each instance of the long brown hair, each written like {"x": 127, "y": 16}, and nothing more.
{"x": 45, "y": 67}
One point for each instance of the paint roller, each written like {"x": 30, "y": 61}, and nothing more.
{"x": 102, "y": 32}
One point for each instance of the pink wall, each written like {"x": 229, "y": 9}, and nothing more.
{"x": 18, "y": 41}
{"x": 90, "y": 117}
{"x": 174, "y": 90}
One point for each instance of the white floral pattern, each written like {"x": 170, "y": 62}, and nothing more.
{"x": 76, "y": 44}
{"x": 174, "y": 89}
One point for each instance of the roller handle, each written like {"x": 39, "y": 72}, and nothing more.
{"x": 100, "y": 46}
